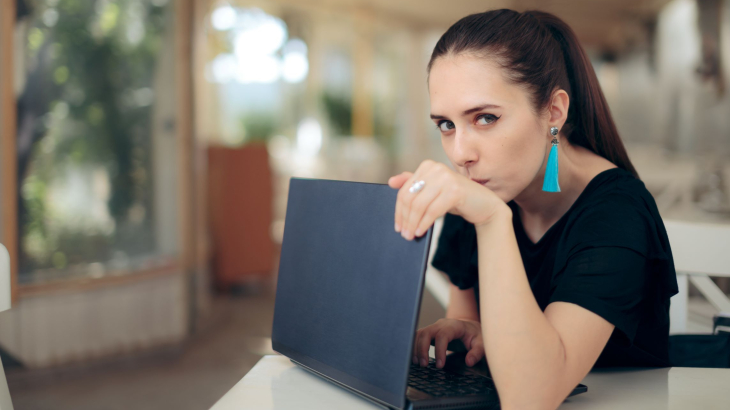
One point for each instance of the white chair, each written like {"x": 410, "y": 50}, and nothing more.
{"x": 436, "y": 282}
{"x": 700, "y": 251}
{"x": 5, "y": 402}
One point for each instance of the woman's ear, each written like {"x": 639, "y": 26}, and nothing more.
{"x": 559, "y": 104}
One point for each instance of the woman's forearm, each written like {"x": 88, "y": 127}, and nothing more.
{"x": 525, "y": 353}
{"x": 462, "y": 304}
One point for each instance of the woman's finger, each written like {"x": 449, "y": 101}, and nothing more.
{"x": 439, "y": 206}
{"x": 417, "y": 344}
{"x": 442, "y": 339}
{"x": 402, "y": 192}
{"x": 417, "y": 202}
{"x": 420, "y": 203}
{"x": 475, "y": 354}
{"x": 396, "y": 181}
{"x": 406, "y": 197}
{"x": 424, "y": 343}
{"x": 414, "y": 360}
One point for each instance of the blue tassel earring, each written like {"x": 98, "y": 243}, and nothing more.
{"x": 550, "y": 184}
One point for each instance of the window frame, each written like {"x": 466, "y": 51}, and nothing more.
{"x": 187, "y": 167}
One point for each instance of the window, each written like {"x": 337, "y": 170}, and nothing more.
{"x": 96, "y": 137}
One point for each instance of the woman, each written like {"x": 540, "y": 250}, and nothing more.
{"x": 545, "y": 217}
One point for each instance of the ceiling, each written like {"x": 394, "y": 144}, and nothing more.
{"x": 608, "y": 25}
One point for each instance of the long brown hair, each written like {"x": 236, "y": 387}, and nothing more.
{"x": 539, "y": 51}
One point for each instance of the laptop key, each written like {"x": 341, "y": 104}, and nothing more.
{"x": 441, "y": 383}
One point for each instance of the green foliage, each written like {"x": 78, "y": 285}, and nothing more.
{"x": 339, "y": 113}
{"x": 384, "y": 127}
{"x": 259, "y": 126}
{"x": 98, "y": 61}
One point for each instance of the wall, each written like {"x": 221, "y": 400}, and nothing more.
{"x": 661, "y": 100}
{"x": 69, "y": 326}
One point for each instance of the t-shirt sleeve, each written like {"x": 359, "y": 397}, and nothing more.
{"x": 616, "y": 262}
{"x": 608, "y": 281}
{"x": 456, "y": 252}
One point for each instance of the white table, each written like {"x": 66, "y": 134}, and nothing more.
{"x": 276, "y": 383}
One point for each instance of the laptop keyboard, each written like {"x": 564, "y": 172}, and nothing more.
{"x": 439, "y": 382}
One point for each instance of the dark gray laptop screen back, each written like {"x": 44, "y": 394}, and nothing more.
{"x": 349, "y": 286}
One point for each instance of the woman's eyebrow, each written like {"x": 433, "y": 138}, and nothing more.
{"x": 467, "y": 112}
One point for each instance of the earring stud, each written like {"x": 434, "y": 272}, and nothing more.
{"x": 554, "y": 131}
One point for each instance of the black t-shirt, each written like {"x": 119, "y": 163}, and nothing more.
{"x": 609, "y": 254}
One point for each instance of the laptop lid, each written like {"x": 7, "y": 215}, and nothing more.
{"x": 349, "y": 286}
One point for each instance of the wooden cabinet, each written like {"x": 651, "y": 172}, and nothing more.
{"x": 240, "y": 212}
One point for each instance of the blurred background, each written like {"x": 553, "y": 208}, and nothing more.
{"x": 146, "y": 148}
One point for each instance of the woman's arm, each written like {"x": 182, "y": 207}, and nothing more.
{"x": 535, "y": 357}
{"x": 462, "y": 304}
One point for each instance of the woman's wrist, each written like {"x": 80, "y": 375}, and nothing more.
{"x": 468, "y": 319}
{"x": 502, "y": 213}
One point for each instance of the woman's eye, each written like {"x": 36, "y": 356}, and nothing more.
{"x": 445, "y": 126}
{"x": 486, "y": 119}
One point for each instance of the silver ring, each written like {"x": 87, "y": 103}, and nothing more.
{"x": 417, "y": 186}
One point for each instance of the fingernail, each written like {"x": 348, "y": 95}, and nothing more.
{"x": 414, "y": 360}
{"x": 469, "y": 361}
{"x": 418, "y": 232}
{"x": 397, "y": 228}
{"x": 439, "y": 363}
{"x": 424, "y": 363}
{"x": 405, "y": 234}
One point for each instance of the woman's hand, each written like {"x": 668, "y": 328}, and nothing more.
{"x": 444, "y": 331}
{"x": 444, "y": 191}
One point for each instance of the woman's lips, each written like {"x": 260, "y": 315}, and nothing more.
{"x": 480, "y": 181}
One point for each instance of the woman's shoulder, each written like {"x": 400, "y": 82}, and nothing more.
{"x": 620, "y": 213}
{"x": 617, "y": 210}
{"x": 614, "y": 191}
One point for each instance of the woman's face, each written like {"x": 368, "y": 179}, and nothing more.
{"x": 488, "y": 128}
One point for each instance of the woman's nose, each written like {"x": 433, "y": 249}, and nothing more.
{"x": 464, "y": 152}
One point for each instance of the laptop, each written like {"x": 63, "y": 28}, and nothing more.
{"x": 348, "y": 298}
